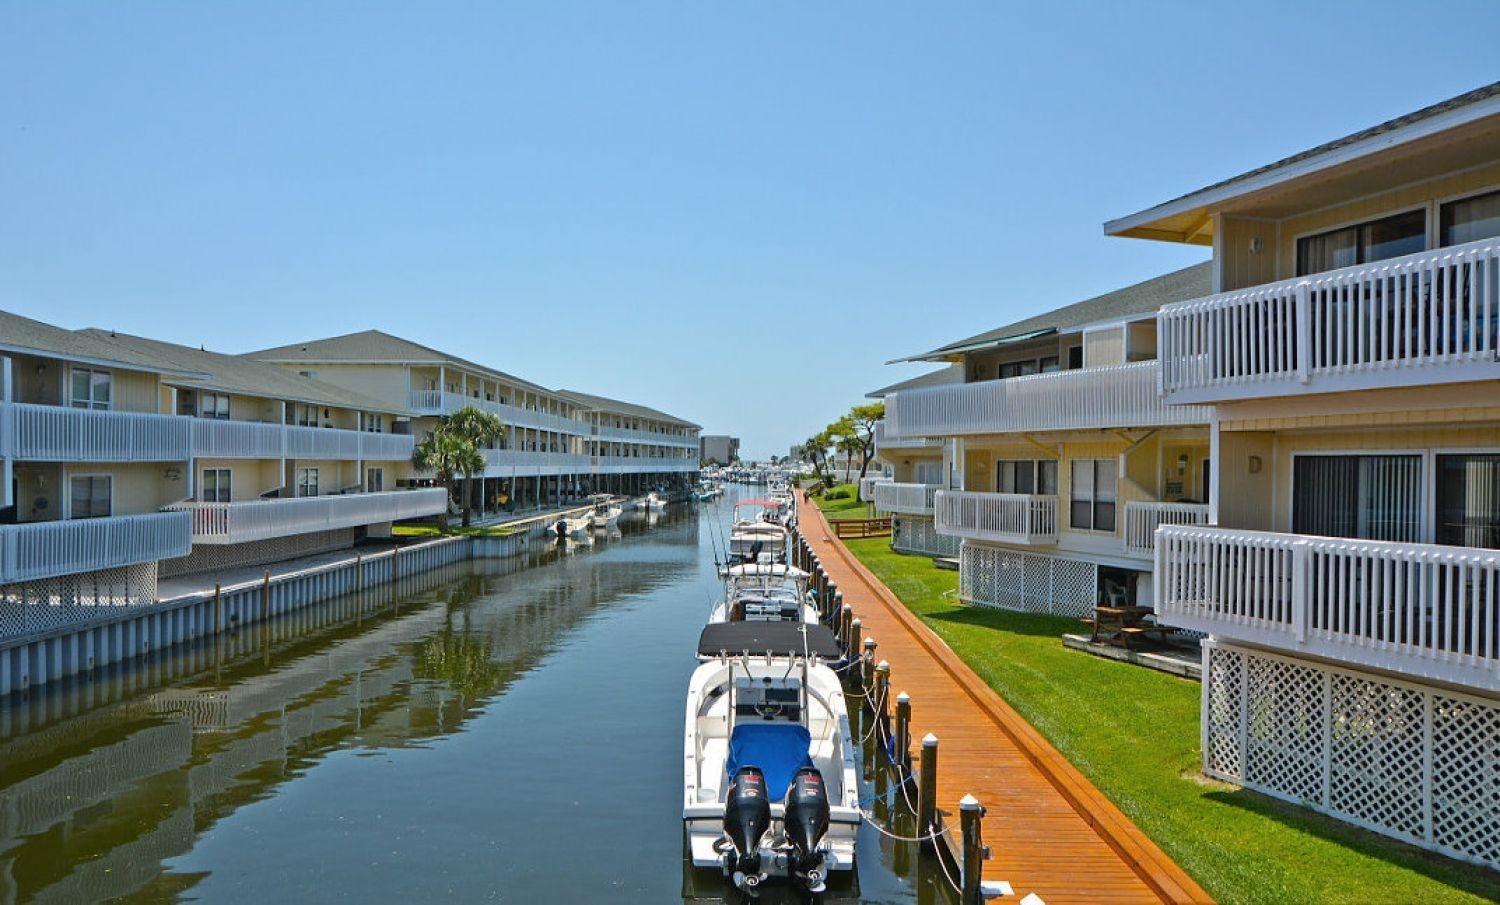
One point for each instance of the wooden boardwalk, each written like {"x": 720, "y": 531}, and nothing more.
{"x": 1052, "y": 833}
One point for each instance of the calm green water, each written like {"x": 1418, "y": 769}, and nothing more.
{"x": 511, "y": 733}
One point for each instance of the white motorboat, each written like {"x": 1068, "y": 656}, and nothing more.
{"x": 751, "y": 541}
{"x": 606, "y": 512}
{"x": 764, "y": 592}
{"x": 651, "y": 502}
{"x": 572, "y": 526}
{"x": 770, "y": 789}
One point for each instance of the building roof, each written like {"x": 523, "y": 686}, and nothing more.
{"x": 26, "y": 336}
{"x": 954, "y": 373}
{"x": 377, "y": 347}
{"x": 619, "y": 407}
{"x": 1467, "y": 107}
{"x": 1138, "y": 299}
{"x": 236, "y": 374}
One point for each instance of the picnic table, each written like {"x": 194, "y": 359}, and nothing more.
{"x": 1119, "y": 624}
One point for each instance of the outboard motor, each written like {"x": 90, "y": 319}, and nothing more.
{"x": 747, "y": 816}
{"x": 806, "y": 823}
{"x": 561, "y": 528}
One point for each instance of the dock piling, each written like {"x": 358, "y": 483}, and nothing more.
{"x": 902, "y": 753}
{"x": 927, "y": 785}
{"x": 970, "y": 812}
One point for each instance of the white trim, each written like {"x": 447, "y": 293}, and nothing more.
{"x": 1429, "y": 126}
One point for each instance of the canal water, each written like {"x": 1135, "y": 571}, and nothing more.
{"x": 507, "y": 731}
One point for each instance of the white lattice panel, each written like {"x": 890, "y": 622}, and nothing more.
{"x": 31, "y": 607}
{"x": 1016, "y": 580}
{"x": 914, "y": 534}
{"x": 1401, "y": 758}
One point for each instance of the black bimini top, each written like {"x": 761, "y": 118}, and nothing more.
{"x": 760, "y": 638}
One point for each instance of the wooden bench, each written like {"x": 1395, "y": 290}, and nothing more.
{"x": 862, "y": 527}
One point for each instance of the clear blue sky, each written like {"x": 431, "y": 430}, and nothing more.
{"x": 651, "y": 201}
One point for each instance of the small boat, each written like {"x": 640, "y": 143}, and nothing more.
{"x": 651, "y": 502}
{"x": 764, "y": 592}
{"x": 574, "y": 526}
{"x": 770, "y": 790}
{"x": 606, "y": 511}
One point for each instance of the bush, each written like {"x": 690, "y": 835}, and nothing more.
{"x": 838, "y": 493}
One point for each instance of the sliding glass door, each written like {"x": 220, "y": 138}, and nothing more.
{"x": 1374, "y": 497}
{"x": 1468, "y": 500}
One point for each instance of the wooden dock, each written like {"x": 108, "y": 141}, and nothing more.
{"x": 1051, "y": 831}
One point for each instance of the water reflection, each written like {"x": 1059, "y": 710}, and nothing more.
{"x": 504, "y": 730}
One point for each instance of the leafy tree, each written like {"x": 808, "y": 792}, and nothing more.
{"x": 865, "y": 417}
{"x": 456, "y": 448}
{"x": 845, "y": 438}
{"x": 816, "y": 449}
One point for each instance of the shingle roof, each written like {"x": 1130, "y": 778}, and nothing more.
{"x": 24, "y": 335}
{"x": 236, "y": 374}
{"x": 380, "y": 347}
{"x": 605, "y": 404}
{"x": 954, "y": 373}
{"x": 1140, "y": 298}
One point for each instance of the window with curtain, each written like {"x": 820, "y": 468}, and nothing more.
{"x": 307, "y": 482}
{"x": 1373, "y": 497}
{"x": 91, "y": 389}
{"x": 374, "y": 480}
{"x": 1376, "y": 240}
{"x": 1038, "y": 476}
{"x": 90, "y": 496}
{"x": 215, "y": 487}
{"x": 1468, "y": 500}
{"x": 1469, "y": 219}
{"x": 1091, "y": 496}
{"x": 213, "y": 405}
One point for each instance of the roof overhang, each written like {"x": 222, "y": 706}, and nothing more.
{"x": 955, "y": 352}
{"x": 1189, "y": 218}
{"x": 102, "y": 362}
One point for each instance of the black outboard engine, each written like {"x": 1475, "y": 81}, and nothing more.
{"x": 806, "y": 823}
{"x": 747, "y": 816}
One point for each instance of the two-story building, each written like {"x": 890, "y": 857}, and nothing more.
{"x": 1046, "y": 449}
{"x": 1349, "y": 573}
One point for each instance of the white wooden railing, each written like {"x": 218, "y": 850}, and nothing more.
{"x": 524, "y": 463}
{"x": 1143, "y": 518}
{"x": 886, "y": 440}
{"x": 1417, "y": 609}
{"x": 232, "y": 523}
{"x": 910, "y": 499}
{"x": 1015, "y": 518}
{"x": 55, "y": 433}
{"x": 37, "y": 550}
{"x": 1090, "y": 398}
{"x": 642, "y": 464}
{"x": 634, "y": 435}
{"x": 868, "y": 483}
{"x": 1382, "y": 324}
{"x": 438, "y": 402}
{"x": 264, "y": 440}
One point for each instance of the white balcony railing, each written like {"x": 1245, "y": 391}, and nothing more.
{"x": 437, "y": 402}
{"x": 232, "y": 523}
{"x": 1416, "y": 609}
{"x": 262, "y": 440}
{"x": 1086, "y": 399}
{"x": 1013, "y": 518}
{"x": 37, "y": 550}
{"x": 54, "y": 433}
{"x": 633, "y": 435}
{"x": 886, "y": 440}
{"x": 1143, "y": 518}
{"x": 525, "y": 463}
{"x": 1428, "y": 317}
{"x": 907, "y": 499}
{"x": 641, "y": 465}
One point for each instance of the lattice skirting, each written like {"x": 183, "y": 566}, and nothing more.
{"x": 1030, "y": 582}
{"x": 1412, "y": 761}
{"x": 33, "y": 607}
{"x": 212, "y": 557}
{"x": 916, "y": 534}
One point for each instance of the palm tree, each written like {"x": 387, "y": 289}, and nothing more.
{"x": 447, "y": 455}
{"x": 478, "y": 429}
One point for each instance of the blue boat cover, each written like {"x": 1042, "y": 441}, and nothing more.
{"x": 778, "y": 749}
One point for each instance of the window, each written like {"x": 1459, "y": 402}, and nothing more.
{"x": 307, "y": 415}
{"x": 90, "y": 496}
{"x": 1037, "y": 476}
{"x": 1075, "y": 358}
{"x": 307, "y": 482}
{"x": 1371, "y": 497}
{"x": 215, "y": 487}
{"x": 1050, "y": 363}
{"x": 1468, "y": 500}
{"x": 373, "y": 424}
{"x": 213, "y": 405}
{"x": 1092, "y": 494}
{"x": 1469, "y": 219}
{"x": 1388, "y": 237}
{"x": 91, "y": 388}
{"x": 374, "y": 480}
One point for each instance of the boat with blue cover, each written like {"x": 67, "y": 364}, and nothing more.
{"x": 770, "y": 788}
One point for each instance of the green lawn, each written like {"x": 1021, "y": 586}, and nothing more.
{"x": 848, "y": 507}
{"x": 424, "y": 532}
{"x": 1134, "y": 733}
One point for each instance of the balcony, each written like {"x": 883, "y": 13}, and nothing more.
{"x": 631, "y": 435}
{"x": 263, "y": 440}
{"x": 437, "y": 402}
{"x": 1010, "y": 518}
{"x": 1430, "y": 317}
{"x": 1415, "y": 609}
{"x": 233, "y": 523}
{"x": 905, "y": 499}
{"x": 1143, "y": 518}
{"x": 38, "y": 550}
{"x": 1086, "y": 399}
{"x": 53, "y": 433}
{"x": 642, "y": 465}
{"x": 506, "y": 463}
{"x": 885, "y": 440}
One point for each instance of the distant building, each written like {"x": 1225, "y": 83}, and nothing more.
{"x": 720, "y": 448}
{"x": 796, "y": 452}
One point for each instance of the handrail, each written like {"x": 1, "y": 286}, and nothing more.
{"x": 1006, "y": 517}
{"x": 36, "y": 550}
